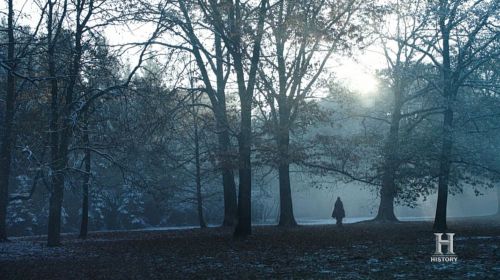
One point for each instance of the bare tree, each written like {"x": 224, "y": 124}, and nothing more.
{"x": 304, "y": 35}
{"x": 218, "y": 64}
{"x": 61, "y": 121}
{"x": 228, "y": 20}
{"x": 407, "y": 80}
{"x": 459, "y": 37}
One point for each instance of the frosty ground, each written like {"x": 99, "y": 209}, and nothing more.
{"x": 365, "y": 250}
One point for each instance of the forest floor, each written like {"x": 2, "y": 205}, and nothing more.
{"x": 364, "y": 250}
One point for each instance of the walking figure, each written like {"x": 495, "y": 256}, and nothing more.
{"x": 338, "y": 211}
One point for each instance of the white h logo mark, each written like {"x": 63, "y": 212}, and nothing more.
{"x": 440, "y": 242}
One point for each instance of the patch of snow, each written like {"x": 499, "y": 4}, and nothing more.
{"x": 171, "y": 228}
{"x": 350, "y": 220}
{"x": 331, "y": 221}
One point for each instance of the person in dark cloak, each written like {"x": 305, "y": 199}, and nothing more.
{"x": 338, "y": 211}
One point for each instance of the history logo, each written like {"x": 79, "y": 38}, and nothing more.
{"x": 438, "y": 255}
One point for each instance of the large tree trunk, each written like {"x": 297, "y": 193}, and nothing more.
{"x": 230, "y": 204}
{"x": 60, "y": 162}
{"x": 55, "y": 208}
{"x": 86, "y": 181}
{"x": 444, "y": 171}
{"x": 287, "y": 218}
{"x": 387, "y": 195}
{"x": 283, "y": 133}
{"x": 447, "y": 137}
{"x": 6, "y": 149}
{"x": 244, "y": 225}
{"x": 60, "y": 159}
{"x": 283, "y": 138}
{"x": 391, "y": 150}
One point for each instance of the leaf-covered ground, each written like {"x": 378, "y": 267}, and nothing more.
{"x": 356, "y": 251}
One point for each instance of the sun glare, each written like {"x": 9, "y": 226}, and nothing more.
{"x": 358, "y": 80}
